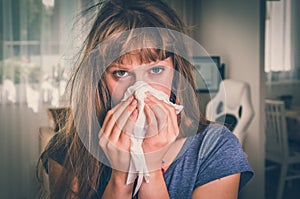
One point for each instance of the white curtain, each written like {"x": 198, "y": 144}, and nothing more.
{"x": 282, "y": 40}
{"x": 278, "y": 36}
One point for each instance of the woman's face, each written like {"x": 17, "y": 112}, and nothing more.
{"x": 158, "y": 74}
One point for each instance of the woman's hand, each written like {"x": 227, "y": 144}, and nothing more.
{"x": 162, "y": 131}
{"x": 114, "y": 139}
{"x": 114, "y": 136}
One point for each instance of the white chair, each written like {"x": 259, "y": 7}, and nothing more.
{"x": 232, "y": 106}
{"x": 278, "y": 149}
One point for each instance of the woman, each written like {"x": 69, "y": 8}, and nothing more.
{"x": 186, "y": 156}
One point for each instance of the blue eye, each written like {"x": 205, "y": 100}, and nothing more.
{"x": 120, "y": 73}
{"x": 157, "y": 70}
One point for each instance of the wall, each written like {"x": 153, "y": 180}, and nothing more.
{"x": 234, "y": 30}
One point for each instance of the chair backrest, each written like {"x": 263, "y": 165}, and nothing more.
{"x": 232, "y": 106}
{"x": 276, "y": 130}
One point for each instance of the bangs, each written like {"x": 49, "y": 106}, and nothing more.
{"x": 141, "y": 45}
{"x": 143, "y": 56}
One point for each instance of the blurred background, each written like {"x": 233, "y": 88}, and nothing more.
{"x": 38, "y": 49}
{"x": 257, "y": 41}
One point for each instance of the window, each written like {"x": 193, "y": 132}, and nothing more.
{"x": 278, "y": 36}
{"x": 36, "y": 46}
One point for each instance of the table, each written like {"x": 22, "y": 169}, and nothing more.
{"x": 293, "y": 123}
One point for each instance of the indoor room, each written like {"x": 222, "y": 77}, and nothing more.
{"x": 252, "y": 66}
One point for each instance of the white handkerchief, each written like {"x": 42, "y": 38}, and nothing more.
{"x": 138, "y": 167}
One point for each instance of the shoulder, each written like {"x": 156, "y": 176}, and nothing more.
{"x": 211, "y": 154}
{"x": 216, "y": 132}
{"x": 205, "y": 147}
{"x": 214, "y": 138}
{"x": 209, "y": 140}
{"x": 220, "y": 154}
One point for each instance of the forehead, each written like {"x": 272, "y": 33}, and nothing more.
{"x": 138, "y": 57}
{"x": 144, "y": 55}
{"x": 133, "y": 63}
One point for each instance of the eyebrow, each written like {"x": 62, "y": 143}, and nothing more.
{"x": 122, "y": 67}
{"x": 117, "y": 66}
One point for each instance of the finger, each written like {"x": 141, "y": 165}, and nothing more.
{"x": 113, "y": 114}
{"x": 134, "y": 115}
{"x": 130, "y": 123}
{"x": 126, "y": 114}
{"x": 117, "y": 110}
{"x": 124, "y": 118}
{"x": 160, "y": 112}
{"x": 173, "y": 129}
{"x": 170, "y": 111}
{"x": 151, "y": 121}
{"x": 128, "y": 127}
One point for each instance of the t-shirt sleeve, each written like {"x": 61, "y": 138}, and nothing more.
{"x": 221, "y": 155}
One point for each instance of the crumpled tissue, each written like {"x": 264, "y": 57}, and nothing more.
{"x": 138, "y": 168}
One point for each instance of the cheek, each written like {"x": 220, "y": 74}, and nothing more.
{"x": 162, "y": 88}
{"x": 117, "y": 90}
{"x": 164, "y": 84}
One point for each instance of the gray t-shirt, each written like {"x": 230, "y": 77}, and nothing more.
{"x": 206, "y": 156}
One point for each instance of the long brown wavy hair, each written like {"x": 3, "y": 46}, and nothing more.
{"x": 114, "y": 17}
